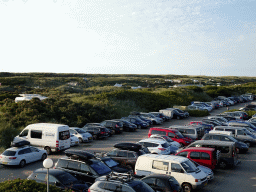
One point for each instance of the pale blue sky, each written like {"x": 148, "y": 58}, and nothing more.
{"x": 183, "y": 37}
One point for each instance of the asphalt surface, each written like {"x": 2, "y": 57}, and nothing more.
{"x": 241, "y": 178}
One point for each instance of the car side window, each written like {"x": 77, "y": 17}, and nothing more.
{"x": 216, "y": 137}
{"x": 232, "y": 130}
{"x": 223, "y": 138}
{"x": 160, "y": 183}
{"x": 52, "y": 179}
{"x": 24, "y": 133}
{"x": 122, "y": 153}
{"x": 27, "y": 150}
{"x": 74, "y": 165}
{"x": 21, "y": 152}
{"x": 183, "y": 154}
{"x": 112, "y": 153}
{"x": 219, "y": 129}
{"x": 85, "y": 168}
{"x": 176, "y": 167}
{"x": 33, "y": 149}
{"x": 161, "y": 165}
{"x": 40, "y": 177}
{"x": 205, "y": 156}
{"x": 170, "y": 134}
{"x": 207, "y": 137}
{"x": 110, "y": 186}
{"x": 240, "y": 132}
{"x": 62, "y": 163}
{"x": 130, "y": 154}
{"x": 195, "y": 155}
{"x": 150, "y": 181}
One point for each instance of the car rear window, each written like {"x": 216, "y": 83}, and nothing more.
{"x": 165, "y": 145}
{"x": 64, "y": 135}
{"x": 9, "y": 153}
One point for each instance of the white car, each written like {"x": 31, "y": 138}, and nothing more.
{"x": 22, "y": 155}
{"x": 166, "y": 138}
{"x": 82, "y": 135}
{"x": 156, "y": 146}
{"x": 74, "y": 140}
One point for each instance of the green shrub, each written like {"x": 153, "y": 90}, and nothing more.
{"x": 198, "y": 113}
{"x": 22, "y": 185}
{"x": 250, "y": 113}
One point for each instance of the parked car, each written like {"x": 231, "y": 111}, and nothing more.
{"x": 82, "y": 135}
{"x": 108, "y": 131}
{"x": 172, "y": 133}
{"x": 119, "y": 182}
{"x": 204, "y": 156}
{"x": 228, "y": 117}
{"x": 142, "y": 118}
{"x": 220, "y": 119}
{"x": 162, "y": 183}
{"x": 117, "y": 126}
{"x": 177, "y": 114}
{"x": 140, "y": 124}
{"x": 126, "y": 153}
{"x": 186, "y": 114}
{"x": 96, "y": 132}
{"x": 73, "y": 140}
{"x": 241, "y": 147}
{"x": 157, "y": 146}
{"x": 160, "y": 115}
{"x": 194, "y": 132}
{"x": 127, "y": 126}
{"x": 58, "y": 178}
{"x": 156, "y": 120}
{"x": 82, "y": 165}
{"x": 207, "y": 170}
{"x": 166, "y": 138}
{"x": 21, "y": 154}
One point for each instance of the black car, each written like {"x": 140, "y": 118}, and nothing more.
{"x": 162, "y": 183}
{"x": 97, "y": 132}
{"x": 59, "y": 178}
{"x": 83, "y": 165}
{"x": 127, "y": 126}
{"x": 228, "y": 117}
{"x": 117, "y": 126}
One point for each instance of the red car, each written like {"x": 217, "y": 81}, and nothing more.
{"x": 202, "y": 155}
{"x": 175, "y": 135}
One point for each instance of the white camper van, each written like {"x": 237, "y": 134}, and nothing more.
{"x": 181, "y": 168}
{"x": 167, "y": 112}
{"x": 51, "y": 137}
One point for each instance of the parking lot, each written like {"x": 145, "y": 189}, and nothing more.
{"x": 240, "y": 178}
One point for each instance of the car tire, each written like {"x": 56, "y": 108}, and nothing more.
{"x": 95, "y": 137}
{"x": 237, "y": 150}
{"x": 186, "y": 187}
{"x": 80, "y": 140}
{"x": 130, "y": 167}
{"x": 178, "y": 117}
{"x": 48, "y": 150}
{"x": 222, "y": 164}
{"x": 139, "y": 127}
{"x": 44, "y": 156}
{"x": 22, "y": 163}
{"x": 248, "y": 144}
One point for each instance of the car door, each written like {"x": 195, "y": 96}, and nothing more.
{"x": 195, "y": 156}
{"x": 177, "y": 172}
{"x": 37, "y": 154}
{"x": 28, "y": 155}
{"x": 160, "y": 167}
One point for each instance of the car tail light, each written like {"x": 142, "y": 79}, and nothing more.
{"x": 0, "y": 156}
{"x": 161, "y": 149}
{"x": 57, "y": 143}
{"x": 233, "y": 155}
{"x": 12, "y": 157}
{"x": 196, "y": 180}
{"x": 89, "y": 190}
{"x": 102, "y": 132}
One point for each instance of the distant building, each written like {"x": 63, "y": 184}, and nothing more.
{"x": 118, "y": 85}
{"x": 28, "y": 97}
{"x": 139, "y": 87}
{"x": 73, "y": 83}
{"x": 186, "y": 85}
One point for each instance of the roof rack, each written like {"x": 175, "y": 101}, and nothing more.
{"x": 20, "y": 143}
{"x": 123, "y": 177}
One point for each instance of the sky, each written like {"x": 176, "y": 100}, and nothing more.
{"x": 182, "y": 37}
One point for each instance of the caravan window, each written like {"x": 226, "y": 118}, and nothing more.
{"x": 36, "y": 134}
{"x": 64, "y": 135}
{"x": 158, "y": 132}
{"x": 160, "y": 165}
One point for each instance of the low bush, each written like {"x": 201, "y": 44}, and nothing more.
{"x": 198, "y": 113}
{"x": 250, "y": 113}
{"x": 20, "y": 185}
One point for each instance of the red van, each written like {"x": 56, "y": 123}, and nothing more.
{"x": 175, "y": 135}
{"x": 202, "y": 155}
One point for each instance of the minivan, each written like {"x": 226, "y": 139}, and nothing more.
{"x": 52, "y": 137}
{"x": 228, "y": 155}
{"x": 194, "y": 132}
{"x": 181, "y": 168}
{"x": 202, "y": 155}
{"x": 175, "y": 135}
{"x": 239, "y": 133}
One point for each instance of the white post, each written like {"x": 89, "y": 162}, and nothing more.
{"x": 48, "y": 163}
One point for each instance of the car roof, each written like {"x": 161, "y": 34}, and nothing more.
{"x": 164, "y": 128}
{"x": 179, "y": 159}
{"x": 17, "y": 148}
{"x": 153, "y": 140}
{"x": 227, "y": 143}
{"x": 198, "y": 149}
{"x": 51, "y": 171}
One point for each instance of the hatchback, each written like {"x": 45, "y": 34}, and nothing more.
{"x": 22, "y": 155}
{"x": 82, "y": 135}
{"x": 157, "y": 146}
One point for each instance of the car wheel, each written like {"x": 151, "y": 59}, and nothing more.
{"x": 186, "y": 187}
{"x": 44, "y": 156}
{"x": 130, "y": 167}
{"x": 22, "y": 163}
{"x": 223, "y": 165}
{"x": 178, "y": 117}
{"x": 80, "y": 140}
{"x": 48, "y": 150}
{"x": 139, "y": 127}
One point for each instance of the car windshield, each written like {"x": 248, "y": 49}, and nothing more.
{"x": 100, "y": 168}
{"x": 232, "y": 139}
{"x": 168, "y": 139}
{"x": 140, "y": 186}
{"x": 66, "y": 178}
{"x": 251, "y": 125}
{"x": 9, "y": 153}
{"x": 189, "y": 166}
{"x": 111, "y": 162}
{"x": 80, "y": 131}
{"x": 179, "y": 135}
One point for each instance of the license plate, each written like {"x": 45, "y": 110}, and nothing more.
{"x": 205, "y": 183}
{"x": 76, "y": 142}
{"x": 5, "y": 163}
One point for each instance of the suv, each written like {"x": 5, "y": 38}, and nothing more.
{"x": 118, "y": 182}
{"x": 126, "y": 154}
{"x": 97, "y": 132}
{"x": 127, "y": 126}
{"x": 140, "y": 124}
{"x": 117, "y": 126}
{"x": 83, "y": 165}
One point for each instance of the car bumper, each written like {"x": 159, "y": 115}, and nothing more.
{"x": 9, "y": 162}
{"x": 200, "y": 185}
